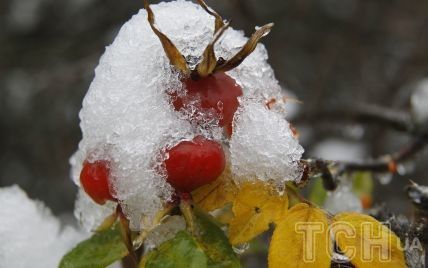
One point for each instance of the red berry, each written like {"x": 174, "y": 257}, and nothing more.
{"x": 94, "y": 179}
{"x": 191, "y": 164}
{"x": 217, "y": 91}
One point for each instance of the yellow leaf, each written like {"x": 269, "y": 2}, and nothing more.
{"x": 367, "y": 242}
{"x": 216, "y": 194}
{"x": 255, "y": 207}
{"x": 301, "y": 239}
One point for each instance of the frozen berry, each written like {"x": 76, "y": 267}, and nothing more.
{"x": 191, "y": 164}
{"x": 94, "y": 178}
{"x": 218, "y": 92}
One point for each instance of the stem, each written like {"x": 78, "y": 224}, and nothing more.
{"x": 364, "y": 113}
{"x": 297, "y": 195}
{"x": 126, "y": 236}
{"x": 384, "y": 164}
{"x": 108, "y": 222}
{"x": 187, "y": 211}
{"x": 321, "y": 168}
{"x": 139, "y": 240}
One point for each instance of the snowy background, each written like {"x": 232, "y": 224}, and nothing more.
{"x": 330, "y": 53}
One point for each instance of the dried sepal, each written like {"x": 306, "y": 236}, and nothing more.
{"x": 245, "y": 51}
{"x": 209, "y": 60}
{"x": 219, "y": 23}
{"x": 174, "y": 55}
{"x": 209, "y": 63}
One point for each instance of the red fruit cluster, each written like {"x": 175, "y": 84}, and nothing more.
{"x": 191, "y": 164}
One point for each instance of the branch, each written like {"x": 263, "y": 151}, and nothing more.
{"x": 388, "y": 163}
{"x": 329, "y": 170}
{"x": 318, "y": 168}
{"x": 363, "y": 113}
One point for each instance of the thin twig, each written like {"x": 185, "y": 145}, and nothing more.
{"x": 297, "y": 195}
{"x": 330, "y": 170}
{"x": 385, "y": 164}
{"x": 363, "y": 113}
{"x": 318, "y": 168}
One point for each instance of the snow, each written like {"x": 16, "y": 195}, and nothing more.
{"x": 291, "y": 104}
{"x": 30, "y": 235}
{"x": 89, "y": 214}
{"x": 164, "y": 232}
{"x": 384, "y": 178}
{"x": 262, "y": 145}
{"x": 339, "y": 150}
{"x": 127, "y": 118}
{"x": 419, "y": 101}
{"x": 343, "y": 199}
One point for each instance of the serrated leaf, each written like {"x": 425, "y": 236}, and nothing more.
{"x": 216, "y": 194}
{"x": 367, "y": 242}
{"x": 182, "y": 251}
{"x": 301, "y": 239}
{"x": 100, "y": 250}
{"x": 214, "y": 242}
{"x": 255, "y": 207}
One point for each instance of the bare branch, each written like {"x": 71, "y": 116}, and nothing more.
{"x": 330, "y": 170}
{"x": 386, "y": 164}
{"x": 364, "y": 113}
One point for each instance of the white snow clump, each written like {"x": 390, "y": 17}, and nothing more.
{"x": 165, "y": 231}
{"x": 263, "y": 146}
{"x": 30, "y": 235}
{"x": 128, "y": 120}
{"x": 89, "y": 214}
{"x": 342, "y": 199}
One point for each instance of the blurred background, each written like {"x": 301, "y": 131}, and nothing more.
{"x": 332, "y": 54}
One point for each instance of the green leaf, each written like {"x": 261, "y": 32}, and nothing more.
{"x": 210, "y": 248}
{"x": 214, "y": 242}
{"x": 100, "y": 250}
{"x": 317, "y": 193}
{"x": 182, "y": 251}
{"x": 363, "y": 182}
